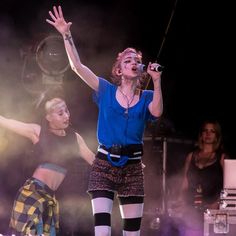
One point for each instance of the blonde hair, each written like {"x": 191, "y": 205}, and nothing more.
{"x": 51, "y": 104}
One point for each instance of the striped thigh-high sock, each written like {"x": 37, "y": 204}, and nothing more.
{"x": 102, "y": 203}
{"x": 131, "y": 209}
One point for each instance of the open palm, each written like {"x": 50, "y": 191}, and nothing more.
{"x": 58, "y": 21}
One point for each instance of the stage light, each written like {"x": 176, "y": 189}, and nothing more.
{"x": 52, "y": 59}
{"x": 44, "y": 65}
{"x": 51, "y": 56}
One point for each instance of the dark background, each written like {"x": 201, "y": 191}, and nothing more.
{"x": 192, "y": 39}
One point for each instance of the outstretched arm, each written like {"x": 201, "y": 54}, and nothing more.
{"x": 84, "y": 151}
{"x": 28, "y": 130}
{"x": 63, "y": 27}
{"x": 156, "y": 106}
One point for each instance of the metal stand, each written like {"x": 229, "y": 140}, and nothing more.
{"x": 164, "y": 159}
{"x": 164, "y": 215}
{"x": 161, "y": 212}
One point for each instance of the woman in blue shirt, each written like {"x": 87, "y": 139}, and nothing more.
{"x": 123, "y": 111}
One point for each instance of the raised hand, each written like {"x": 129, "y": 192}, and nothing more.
{"x": 58, "y": 21}
{"x": 156, "y": 75}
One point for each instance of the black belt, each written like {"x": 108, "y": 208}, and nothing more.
{"x": 119, "y": 155}
{"x": 132, "y": 150}
{"x": 103, "y": 156}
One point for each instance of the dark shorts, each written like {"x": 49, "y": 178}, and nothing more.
{"x": 126, "y": 181}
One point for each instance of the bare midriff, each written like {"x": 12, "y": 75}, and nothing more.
{"x": 51, "y": 178}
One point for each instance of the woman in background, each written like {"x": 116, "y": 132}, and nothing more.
{"x": 203, "y": 177}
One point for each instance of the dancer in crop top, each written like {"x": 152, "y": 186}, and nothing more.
{"x": 35, "y": 210}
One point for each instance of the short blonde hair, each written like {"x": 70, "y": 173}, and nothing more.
{"x": 50, "y": 105}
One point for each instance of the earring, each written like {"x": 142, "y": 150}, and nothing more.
{"x": 119, "y": 72}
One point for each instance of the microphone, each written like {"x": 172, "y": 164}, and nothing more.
{"x": 143, "y": 68}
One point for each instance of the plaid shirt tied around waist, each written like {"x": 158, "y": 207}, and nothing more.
{"x": 34, "y": 201}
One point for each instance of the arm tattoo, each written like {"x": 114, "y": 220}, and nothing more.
{"x": 69, "y": 38}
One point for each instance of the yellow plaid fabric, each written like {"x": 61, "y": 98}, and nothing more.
{"x": 33, "y": 202}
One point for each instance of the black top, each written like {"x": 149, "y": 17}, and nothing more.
{"x": 206, "y": 181}
{"x": 54, "y": 149}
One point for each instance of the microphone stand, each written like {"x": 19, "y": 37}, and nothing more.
{"x": 164, "y": 39}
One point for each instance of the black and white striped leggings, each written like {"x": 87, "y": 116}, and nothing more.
{"x": 131, "y": 209}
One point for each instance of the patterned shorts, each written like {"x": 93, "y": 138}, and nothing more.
{"x": 126, "y": 181}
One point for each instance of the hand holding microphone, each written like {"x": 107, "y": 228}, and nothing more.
{"x": 153, "y": 69}
{"x": 143, "y": 68}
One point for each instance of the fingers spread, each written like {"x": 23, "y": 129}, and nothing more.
{"x": 55, "y": 12}
{"x": 50, "y": 22}
{"x": 60, "y": 12}
{"x": 52, "y": 16}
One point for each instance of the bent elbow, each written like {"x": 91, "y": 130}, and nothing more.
{"x": 157, "y": 113}
{"x": 73, "y": 68}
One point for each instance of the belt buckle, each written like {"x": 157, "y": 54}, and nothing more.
{"x": 116, "y": 149}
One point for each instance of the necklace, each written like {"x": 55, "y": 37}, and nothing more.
{"x": 129, "y": 101}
